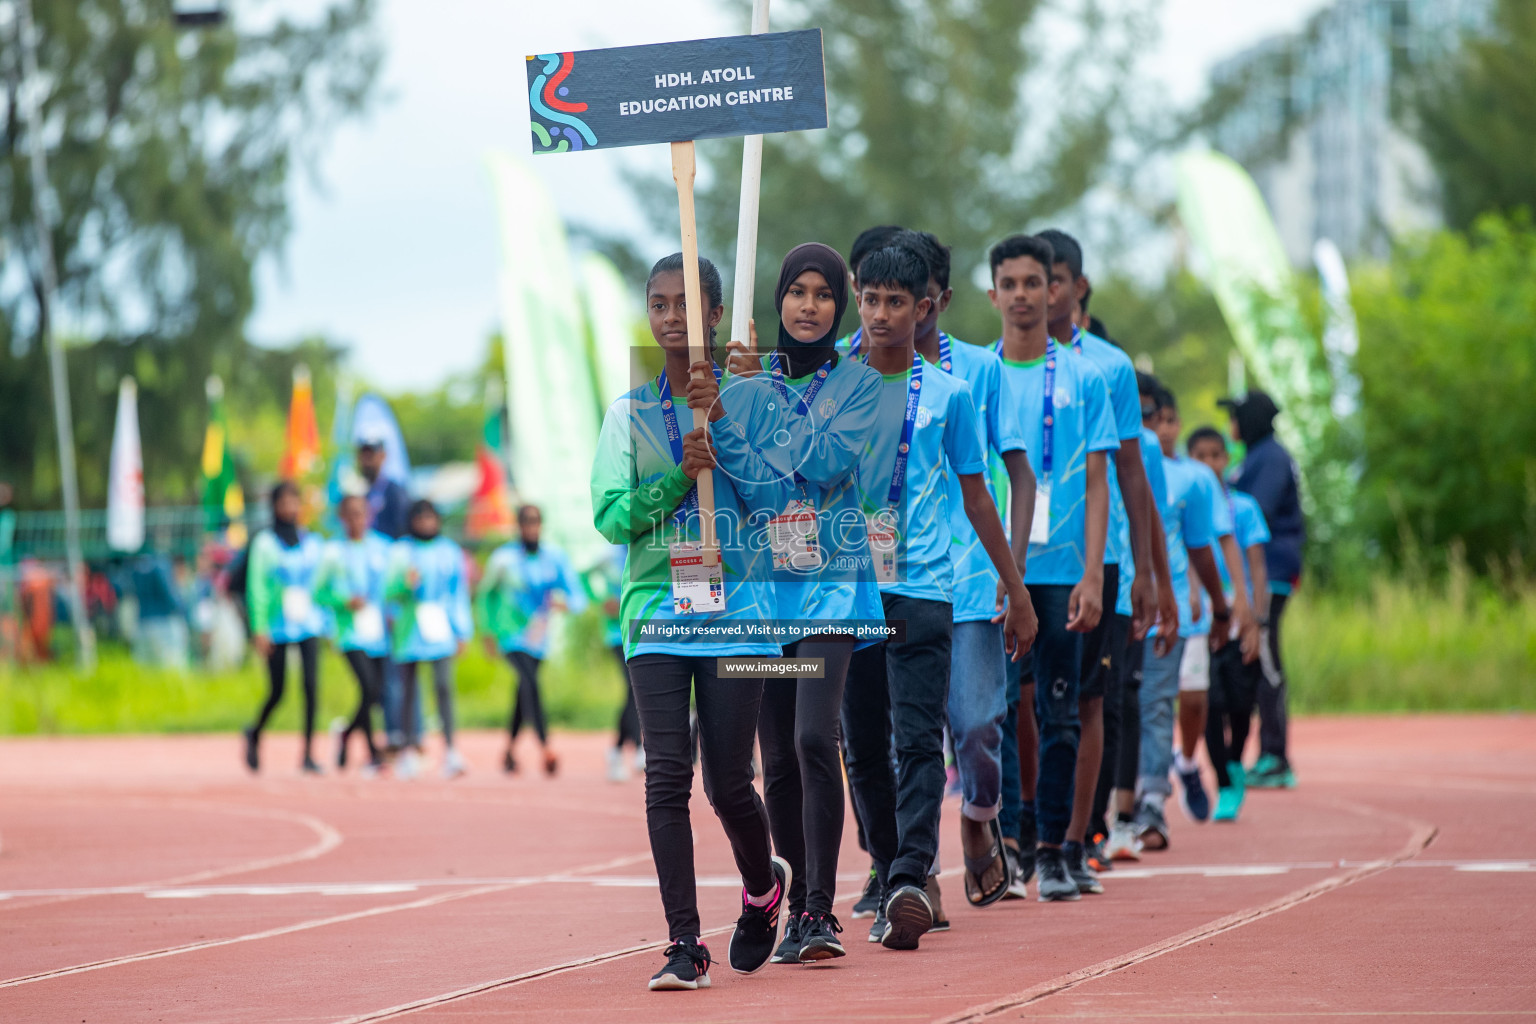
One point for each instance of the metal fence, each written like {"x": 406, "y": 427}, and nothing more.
{"x": 170, "y": 530}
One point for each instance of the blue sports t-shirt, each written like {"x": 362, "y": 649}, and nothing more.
{"x": 637, "y": 486}
{"x": 1152, "y": 462}
{"x": 827, "y": 439}
{"x": 975, "y": 577}
{"x": 517, "y": 595}
{"x": 1248, "y": 528}
{"x": 945, "y": 441}
{"x": 1083, "y": 424}
{"x": 1194, "y": 516}
{"x": 1125, "y": 406}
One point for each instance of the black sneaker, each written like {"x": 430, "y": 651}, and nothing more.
{"x": 687, "y": 967}
{"x": 868, "y": 904}
{"x": 1016, "y": 889}
{"x": 757, "y": 929}
{"x": 1029, "y": 839}
{"x": 1098, "y": 859}
{"x": 789, "y": 950}
{"x": 820, "y": 941}
{"x": 1077, "y": 866}
{"x": 880, "y": 925}
{"x": 309, "y": 767}
{"x": 1055, "y": 882}
{"x": 910, "y": 916}
{"x": 252, "y": 749}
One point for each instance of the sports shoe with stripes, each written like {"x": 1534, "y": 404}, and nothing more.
{"x": 757, "y": 929}
{"x": 687, "y": 967}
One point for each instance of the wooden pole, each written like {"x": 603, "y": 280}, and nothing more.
{"x": 746, "y": 223}
{"x": 683, "y": 171}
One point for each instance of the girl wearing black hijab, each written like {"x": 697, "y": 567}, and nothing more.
{"x": 830, "y": 405}
{"x": 284, "y": 571}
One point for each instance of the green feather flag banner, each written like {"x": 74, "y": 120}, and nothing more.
{"x": 1246, "y": 268}
{"x": 550, "y": 397}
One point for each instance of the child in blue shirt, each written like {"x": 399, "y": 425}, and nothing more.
{"x": 1063, "y": 415}
{"x": 925, "y": 431}
{"x": 1234, "y": 683}
{"x": 428, "y": 582}
{"x": 525, "y": 581}
{"x": 352, "y": 588}
{"x": 280, "y": 591}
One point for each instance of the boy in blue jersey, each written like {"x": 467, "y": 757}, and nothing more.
{"x": 925, "y": 430}
{"x": 1234, "y": 682}
{"x": 978, "y": 665}
{"x": 1127, "y": 550}
{"x": 1062, "y": 412}
{"x": 1196, "y": 519}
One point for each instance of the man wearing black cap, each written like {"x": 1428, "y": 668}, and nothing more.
{"x": 1268, "y": 473}
{"x": 388, "y": 502}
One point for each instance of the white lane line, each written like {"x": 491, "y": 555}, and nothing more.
{"x": 301, "y": 926}
{"x": 391, "y": 887}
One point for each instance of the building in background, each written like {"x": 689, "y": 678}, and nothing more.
{"x": 1316, "y": 119}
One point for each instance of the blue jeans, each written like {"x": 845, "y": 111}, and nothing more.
{"x": 1057, "y": 663}
{"x": 977, "y": 703}
{"x": 1159, "y": 691}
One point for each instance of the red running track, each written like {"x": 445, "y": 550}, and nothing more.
{"x": 150, "y": 879}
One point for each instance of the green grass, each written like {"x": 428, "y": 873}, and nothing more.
{"x": 581, "y": 691}
{"x": 1456, "y": 645}
{"x": 1451, "y": 645}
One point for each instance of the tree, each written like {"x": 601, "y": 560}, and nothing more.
{"x": 1474, "y": 116}
{"x": 170, "y": 156}
{"x": 946, "y": 115}
{"x": 1447, "y": 369}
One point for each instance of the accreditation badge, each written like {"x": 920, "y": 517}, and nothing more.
{"x": 1040, "y": 525}
{"x": 298, "y": 605}
{"x": 368, "y": 624}
{"x": 792, "y": 538}
{"x": 883, "y": 541}
{"x": 697, "y": 589}
{"x": 432, "y": 622}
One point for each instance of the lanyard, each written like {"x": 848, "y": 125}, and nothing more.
{"x": 904, "y": 450}
{"x": 1077, "y": 340}
{"x": 690, "y": 502}
{"x": 803, "y": 403}
{"x": 997, "y": 346}
{"x": 945, "y": 363}
{"x": 1048, "y": 431}
{"x": 805, "y": 400}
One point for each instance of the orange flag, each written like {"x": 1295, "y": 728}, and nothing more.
{"x": 302, "y": 454}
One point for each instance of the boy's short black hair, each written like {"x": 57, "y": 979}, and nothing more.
{"x": 1166, "y": 399}
{"x": 1014, "y": 246}
{"x": 869, "y": 240}
{"x": 422, "y": 506}
{"x": 1204, "y": 433}
{"x": 1066, "y": 249}
{"x": 895, "y": 266}
{"x": 934, "y": 252}
{"x": 1148, "y": 386}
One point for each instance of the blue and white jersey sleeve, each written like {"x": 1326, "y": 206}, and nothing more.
{"x": 962, "y": 442}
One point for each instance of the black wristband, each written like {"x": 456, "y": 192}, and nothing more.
{"x": 1222, "y": 615}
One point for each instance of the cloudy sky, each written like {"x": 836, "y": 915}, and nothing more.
{"x": 394, "y": 250}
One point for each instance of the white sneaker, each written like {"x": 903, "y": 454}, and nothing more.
{"x": 453, "y": 764}
{"x": 640, "y": 760}
{"x": 406, "y": 765}
{"x": 1123, "y": 843}
{"x": 616, "y": 770}
{"x": 1017, "y": 887}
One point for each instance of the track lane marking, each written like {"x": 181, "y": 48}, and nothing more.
{"x": 301, "y": 926}
{"x": 1422, "y": 834}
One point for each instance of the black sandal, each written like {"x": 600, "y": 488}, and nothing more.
{"x": 978, "y": 868}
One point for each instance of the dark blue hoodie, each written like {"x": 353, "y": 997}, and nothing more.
{"x": 1268, "y": 473}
